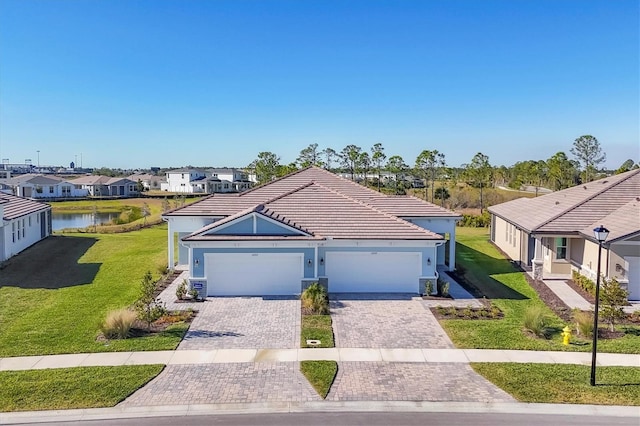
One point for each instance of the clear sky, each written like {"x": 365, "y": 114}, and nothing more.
{"x": 170, "y": 83}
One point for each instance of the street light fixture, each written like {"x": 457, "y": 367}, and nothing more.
{"x": 601, "y": 233}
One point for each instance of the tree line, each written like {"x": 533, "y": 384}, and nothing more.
{"x": 430, "y": 172}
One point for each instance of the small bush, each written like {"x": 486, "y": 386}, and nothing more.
{"x": 193, "y": 293}
{"x": 475, "y": 221}
{"x": 584, "y": 323}
{"x": 148, "y": 307}
{"x": 428, "y": 287}
{"x": 118, "y": 324}
{"x": 181, "y": 291}
{"x": 536, "y": 321}
{"x": 315, "y": 299}
{"x": 443, "y": 288}
{"x": 583, "y": 282}
{"x": 613, "y": 298}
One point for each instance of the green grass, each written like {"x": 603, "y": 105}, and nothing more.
{"x": 65, "y": 388}
{"x": 569, "y": 384}
{"x": 317, "y": 327}
{"x": 54, "y": 295}
{"x": 320, "y": 374}
{"x": 508, "y": 289}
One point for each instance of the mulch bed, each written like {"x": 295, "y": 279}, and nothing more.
{"x": 556, "y": 304}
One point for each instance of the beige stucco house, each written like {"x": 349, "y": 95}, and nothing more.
{"x": 553, "y": 234}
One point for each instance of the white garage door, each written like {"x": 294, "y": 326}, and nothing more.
{"x": 634, "y": 277}
{"x": 377, "y": 272}
{"x": 253, "y": 274}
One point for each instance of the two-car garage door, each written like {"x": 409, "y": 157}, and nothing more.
{"x": 254, "y": 274}
{"x": 373, "y": 272}
{"x": 269, "y": 274}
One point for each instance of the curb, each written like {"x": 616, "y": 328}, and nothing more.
{"x": 124, "y": 412}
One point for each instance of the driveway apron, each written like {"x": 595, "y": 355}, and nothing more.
{"x": 226, "y": 384}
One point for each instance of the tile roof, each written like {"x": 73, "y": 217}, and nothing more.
{"x": 227, "y": 204}
{"x": 622, "y": 223}
{"x": 575, "y": 209}
{"x": 324, "y": 213}
{"x": 15, "y": 207}
{"x": 99, "y": 180}
{"x": 34, "y": 179}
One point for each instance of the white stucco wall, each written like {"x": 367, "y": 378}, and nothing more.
{"x": 32, "y": 234}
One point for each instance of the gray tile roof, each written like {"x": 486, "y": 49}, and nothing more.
{"x": 228, "y": 204}
{"x": 34, "y": 179}
{"x": 15, "y": 207}
{"x": 622, "y": 223}
{"x": 322, "y": 212}
{"x": 574, "y": 209}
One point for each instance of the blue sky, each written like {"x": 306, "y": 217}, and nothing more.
{"x": 176, "y": 82}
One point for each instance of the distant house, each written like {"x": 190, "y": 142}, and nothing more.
{"x": 23, "y": 222}
{"x": 553, "y": 233}
{"x": 105, "y": 186}
{"x": 196, "y": 181}
{"x": 44, "y": 187}
{"x": 149, "y": 182}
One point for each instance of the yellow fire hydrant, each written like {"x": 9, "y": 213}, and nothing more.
{"x": 566, "y": 334}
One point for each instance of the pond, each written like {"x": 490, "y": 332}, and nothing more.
{"x": 79, "y": 220}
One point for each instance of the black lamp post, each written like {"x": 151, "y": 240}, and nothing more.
{"x": 601, "y": 233}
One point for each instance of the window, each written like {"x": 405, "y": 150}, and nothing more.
{"x": 23, "y": 228}
{"x": 51, "y": 189}
{"x": 561, "y": 248}
{"x": 29, "y": 221}
{"x": 515, "y": 235}
{"x": 13, "y": 231}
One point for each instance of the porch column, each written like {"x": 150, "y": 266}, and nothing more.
{"x": 170, "y": 247}
{"x": 537, "y": 261}
{"x": 452, "y": 247}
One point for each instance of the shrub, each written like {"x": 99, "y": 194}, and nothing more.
{"x": 147, "y": 306}
{"x": 428, "y": 287}
{"x": 583, "y": 282}
{"x": 118, "y": 324}
{"x": 443, "y": 288}
{"x": 315, "y": 299}
{"x": 193, "y": 293}
{"x": 475, "y": 221}
{"x": 584, "y": 323}
{"x": 613, "y": 298}
{"x": 181, "y": 291}
{"x": 536, "y": 321}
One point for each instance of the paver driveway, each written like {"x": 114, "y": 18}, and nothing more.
{"x": 385, "y": 321}
{"x": 226, "y": 384}
{"x": 385, "y": 381}
{"x": 244, "y": 323}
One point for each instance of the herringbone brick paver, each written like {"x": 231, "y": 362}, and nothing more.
{"x": 226, "y": 384}
{"x": 383, "y": 381}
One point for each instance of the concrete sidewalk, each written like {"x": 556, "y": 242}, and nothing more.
{"x": 221, "y": 356}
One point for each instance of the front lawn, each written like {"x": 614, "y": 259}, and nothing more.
{"x": 496, "y": 277}
{"x": 54, "y": 295}
{"x": 317, "y": 327}
{"x": 320, "y": 374}
{"x": 66, "y": 388}
{"x": 564, "y": 384}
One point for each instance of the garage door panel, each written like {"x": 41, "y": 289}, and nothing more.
{"x": 254, "y": 274}
{"x": 373, "y": 272}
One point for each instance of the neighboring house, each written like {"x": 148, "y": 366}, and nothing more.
{"x": 309, "y": 226}
{"x": 195, "y": 181}
{"x": 23, "y": 222}
{"x": 105, "y": 186}
{"x": 237, "y": 179}
{"x": 190, "y": 181}
{"x": 149, "y": 182}
{"x": 44, "y": 187}
{"x": 553, "y": 233}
